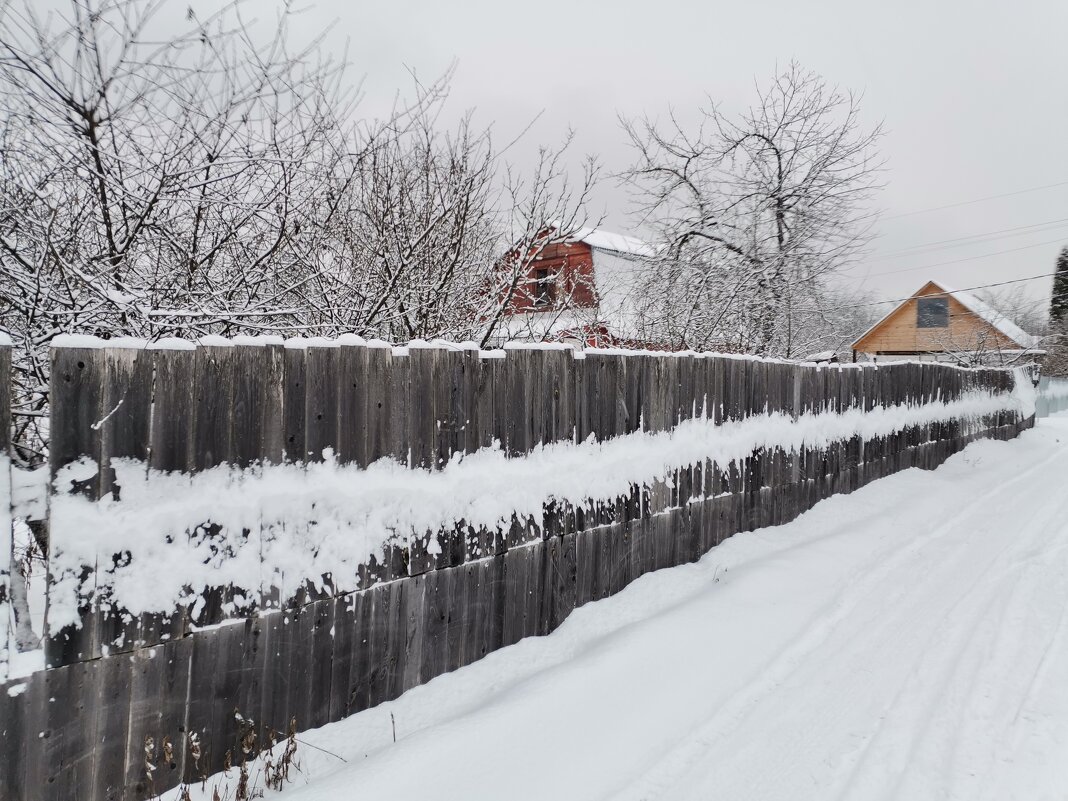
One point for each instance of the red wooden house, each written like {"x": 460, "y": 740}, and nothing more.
{"x": 583, "y": 290}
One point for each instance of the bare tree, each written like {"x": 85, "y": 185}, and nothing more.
{"x": 544, "y": 209}
{"x": 150, "y": 187}
{"x": 155, "y": 182}
{"x": 1019, "y": 307}
{"x": 830, "y": 318}
{"x": 753, "y": 213}
{"x": 428, "y": 218}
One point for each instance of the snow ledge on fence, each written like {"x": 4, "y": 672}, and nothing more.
{"x": 284, "y": 525}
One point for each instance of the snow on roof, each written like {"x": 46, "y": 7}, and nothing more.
{"x": 992, "y": 316}
{"x": 976, "y": 307}
{"x": 617, "y": 243}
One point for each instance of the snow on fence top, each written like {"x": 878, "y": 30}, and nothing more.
{"x": 289, "y": 524}
{"x": 90, "y": 342}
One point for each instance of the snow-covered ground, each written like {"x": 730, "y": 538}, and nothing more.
{"x": 907, "y": 641}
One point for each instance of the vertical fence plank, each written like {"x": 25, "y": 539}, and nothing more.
{"x": 294, "y": 399}
{"x": 154, "y": 732}
{"x": 74, "y": 412}
{"x": 379, "y": 414}
{"x": 485, "y": 398}
{"x": 320, "y": 675}
{"x": 559, "y": 388}
{"x": 252, "y": 376}
{"x": 424, "y": 546}
{"x": 411, "y": 631}
{"x": 127, "y": 406}
{"x": 213, "y": 442}
{"x": 457, "y": 380}
{"x": 213, "y": 406}
{"x": 75, "y": 407}
{"x": 352, "y": 404}
{"x": 400, "y": 387}
{"x": 422, "y": 414}
{"x": 126, "y": 401}
{"x": 278, "y": 632}
{"x": 320, "y": 400}
{"x": 274, "y": 433}
{"x": 173, "y": 393}
{"x": 70, "y": 722}
{"x": 515, "y": 398}
{"x": 437, "y": 593}
{"x": 170, "y": 446}
{"x": 347, "y": 680}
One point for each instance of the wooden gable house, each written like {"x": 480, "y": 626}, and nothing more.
{"x": 942, "y": 324}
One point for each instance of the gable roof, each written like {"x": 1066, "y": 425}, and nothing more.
{"x": 991, "y": 316}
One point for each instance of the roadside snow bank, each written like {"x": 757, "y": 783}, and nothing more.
{"x": 282, "y": 525}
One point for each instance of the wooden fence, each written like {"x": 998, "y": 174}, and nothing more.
{"x": 182, "y": 702}
{"x": 1052, "y": 396}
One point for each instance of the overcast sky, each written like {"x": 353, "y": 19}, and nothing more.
{"x": 974, "y": 96}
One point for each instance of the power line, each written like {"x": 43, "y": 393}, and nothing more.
{"x": 958, "y": 261}
{"x": 977, "y": 200}
{"x": 973, "y": 239}
{"x": 941, "y": 294}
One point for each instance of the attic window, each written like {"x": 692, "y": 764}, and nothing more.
{"x": 544, "y": 288}
{"x": 932, "y": 313}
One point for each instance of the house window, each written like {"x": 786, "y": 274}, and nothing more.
{"x": 544, "y": 288}
{"x": 932, "y": 313}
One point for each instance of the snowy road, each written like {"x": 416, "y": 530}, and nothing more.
{"x": 909, "y": 641}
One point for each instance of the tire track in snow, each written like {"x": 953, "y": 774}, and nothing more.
{"x": 993, "y": 704}
{"x": 695, "y": 747}
{"x": 928, "y": 685}
{"x": 944, "y": 656}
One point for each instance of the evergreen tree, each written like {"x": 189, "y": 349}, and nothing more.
{"x": 1058, "y": 307}
{"x": 1055, "y": 362}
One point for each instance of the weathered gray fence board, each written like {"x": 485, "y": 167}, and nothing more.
{"x": 75, "y": 410}
{"x": 389, "y": 649}
{"x": 293, "y": 403}
{"x": 320, "y": 401}
{"x": 159, "y": 683}
{"x": 213, "y": 406}
{"x": 346, "y": 626}
{"x": 173, "y": 392}
{"x": 70, "y": 729}
{"x": 252, "y": 374}
{"x": 352, "y": 405}
{"x": 126, "y": 403}
{"x": 380, "y": 415}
